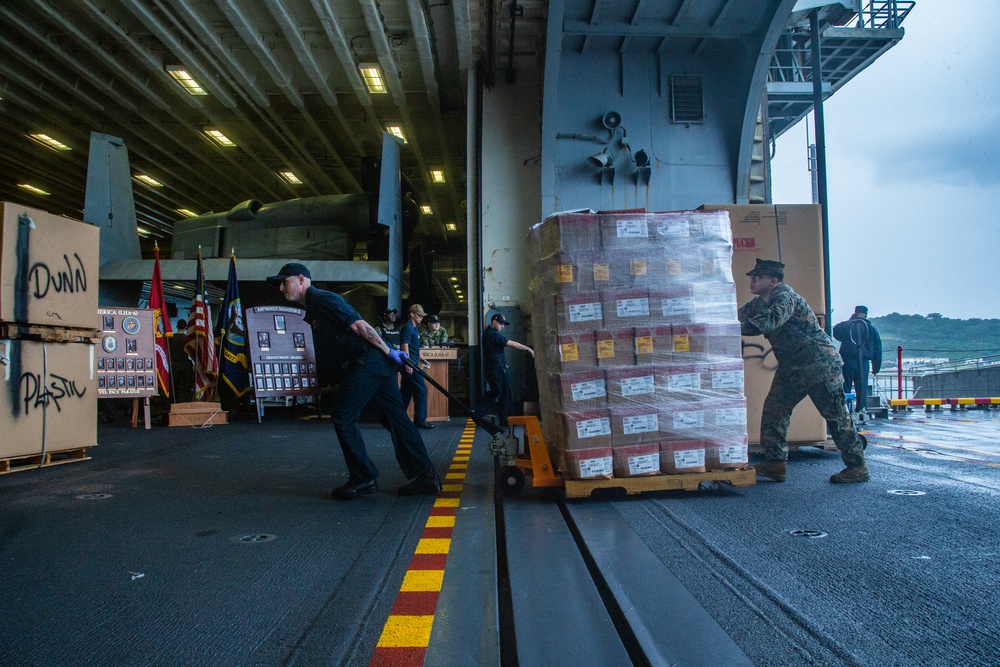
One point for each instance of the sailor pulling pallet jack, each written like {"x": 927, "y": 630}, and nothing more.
{"x": 808, "y": 365}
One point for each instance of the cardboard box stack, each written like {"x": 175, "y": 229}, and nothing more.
{"x": 637, "y": 343}
{"x": 48, "y": 302}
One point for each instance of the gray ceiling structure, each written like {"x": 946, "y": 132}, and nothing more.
{"x": 282, "y": 81}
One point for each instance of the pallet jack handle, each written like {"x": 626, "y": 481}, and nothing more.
{"x": 481, "y": 421}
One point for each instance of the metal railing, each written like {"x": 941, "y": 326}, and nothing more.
{"x": 884, "y": 13}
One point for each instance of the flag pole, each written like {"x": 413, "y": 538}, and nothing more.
{"x": 170, "y": 358}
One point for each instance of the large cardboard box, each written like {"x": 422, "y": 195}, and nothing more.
{"x": 48, "y": 268}
{"x": 48, "y": 397}
{"x": 792, "y": 234}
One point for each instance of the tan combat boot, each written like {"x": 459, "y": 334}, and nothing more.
{"x": 851, "y": 474}
{"x": 776, "y": 470}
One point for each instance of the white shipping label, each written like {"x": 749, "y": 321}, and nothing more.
{"x": 640, "y": 424}
{"x": 639, "y": 385}
{"x": 643, "y": 464}
{"x": 585, "y": 312}
{"x": 633, "y": 229}
{"x": 681, "y": 306}
{"x": 727, "y": 380}
{"x": 600, "y": 467}
{"x": 683, "y": 381}
{"x": 689, "y": 458}
{"x": 689, "y": 419}
{"x": 733, "y": 454}
{"x": 592, "y": 428}
{"x": 715, "y": 228}
{"x": 633, "y": 307}
{"x": 581, "y": 391}
{"x": 731, "y": 416}
{"x": 674, "y": 229}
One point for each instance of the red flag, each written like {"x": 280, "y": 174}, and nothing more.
{"x": 161, "y": 327}
{"x": 200, "y": 341}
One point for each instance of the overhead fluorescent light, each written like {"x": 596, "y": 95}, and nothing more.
{"x": 219, "y": 138}
{"x": 32, "y": 188}
{"x": 187, "y": 213}
{"x": 143, "y": 231}
{"x": 451, "y": 227}
{"x": 49, "y": 142}
{"x": 290, "y": 177}
{"x": 147, "y": 180}
{"x": 426, "y": 209}
{"x": 437, "y": 175}
{"x": 372, "y": 74}
{"x": 396, "y": 131}
{"x": 185, "y": 80}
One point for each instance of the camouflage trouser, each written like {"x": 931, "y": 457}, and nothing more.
{"x": 827, "y": 394}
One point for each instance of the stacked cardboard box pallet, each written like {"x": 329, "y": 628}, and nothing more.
{"x": 197, "y": 414}
{"x": 638, "y": 344}
{"x": 48, "y": 301}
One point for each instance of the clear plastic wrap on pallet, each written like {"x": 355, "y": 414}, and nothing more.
{"x": 638, "y": 348}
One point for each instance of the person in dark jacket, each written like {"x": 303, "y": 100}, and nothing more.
{"x": 367, "y": 369}
{"x": 495, "y": 367}
{"x": 861, "y": 350}
{"x": 413, "y": 386}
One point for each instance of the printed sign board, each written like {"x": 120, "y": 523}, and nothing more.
{"x": 126, "y": 353}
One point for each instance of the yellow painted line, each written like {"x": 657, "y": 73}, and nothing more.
{"x": 440, "y": 522}
{"x": 422, "y": 580}
{"x": 451, "y": 487}
{"x": 406, "y": 631}
{"x": 455, "y": 475}
{"x": 459, "y": 467}
{"x": 433, "y": 545}
{"x": 446, "y": 502}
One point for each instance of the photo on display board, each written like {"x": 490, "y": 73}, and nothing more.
{"x": 299, "y": 339}
{"x": 279, "y": 323}
{"x": 131, "y": 345}
{"x": 109, "y": 323}
{"x": 264, "y": 340}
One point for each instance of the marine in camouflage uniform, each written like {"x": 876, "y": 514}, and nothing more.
{"x": 808, "y": 365}
{"x": 431, "y": 336}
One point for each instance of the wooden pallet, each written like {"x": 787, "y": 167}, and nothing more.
{"x": 38, "y": 332}
{"x": 33, "y": 461}
{"x": 576, "y": 488}
{"x": 197, "y": 414}
{"x": 827, "y": 446}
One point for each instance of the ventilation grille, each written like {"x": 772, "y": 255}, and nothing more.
{"x": 687, "y": 104}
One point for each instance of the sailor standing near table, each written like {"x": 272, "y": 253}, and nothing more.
{"x": 367, "y": 368}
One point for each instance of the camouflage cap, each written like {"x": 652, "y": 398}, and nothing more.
{"x": 768, "y": 267}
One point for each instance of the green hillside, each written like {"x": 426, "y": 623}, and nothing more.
{"x": 937, "y": 337}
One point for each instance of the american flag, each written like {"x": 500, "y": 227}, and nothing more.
{"x": 161, "y": 328}
{"x": 200, "y": 342}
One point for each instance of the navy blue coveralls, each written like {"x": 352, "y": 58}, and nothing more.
{"x": 497, "y": 375}
{"x": 366, "y": 375}
{"x": 413, "y": 386}
{"x": 860, "y": 345}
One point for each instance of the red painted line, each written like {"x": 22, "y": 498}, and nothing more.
{"x": 436, "y": 533}
{"x": 428, "y": 561}
{"x": 415, "y": 603}
{"x": 398, "y": 657}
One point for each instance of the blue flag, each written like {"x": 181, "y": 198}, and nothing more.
{"x": 235, "y": 363}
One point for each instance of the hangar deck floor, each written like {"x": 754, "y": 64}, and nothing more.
{"x": 219, "y": 547}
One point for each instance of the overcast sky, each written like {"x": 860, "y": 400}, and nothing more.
{"x": 913, "y": 170}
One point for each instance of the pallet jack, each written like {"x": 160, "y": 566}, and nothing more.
{"x": 533, "y": 459}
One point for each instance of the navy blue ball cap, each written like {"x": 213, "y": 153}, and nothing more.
{"x": 290, "y": 269}
{"x": 499, "y": 318}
